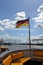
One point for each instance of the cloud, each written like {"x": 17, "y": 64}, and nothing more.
{"x": 20, "y": 16}
{"x": 38, "y": 25}
{"x": 37, "y": 37}
{"x": 11, "y": 24}
{"x": 40, "y": 9}
{"x": 6, "y": 35}
{"x": 40, "y": 36}
{"x": 39, "y": 18}
{"x": 9, "y": 38}
{"x": 9, "y": 27}
{"x": 21, "y": 39}
{"x": 1, "y": 28}
{"x": 5, "y": 22}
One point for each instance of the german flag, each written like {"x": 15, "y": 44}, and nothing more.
{"x": 22, "y": 23}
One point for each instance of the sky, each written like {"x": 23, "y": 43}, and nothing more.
{"x": 12, "y": 11}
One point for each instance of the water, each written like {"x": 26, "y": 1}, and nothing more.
{"x": 23, "y": 47}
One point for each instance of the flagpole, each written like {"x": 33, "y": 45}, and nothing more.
{"x": 29, "y": 30}
{"x": 29, "y": 35}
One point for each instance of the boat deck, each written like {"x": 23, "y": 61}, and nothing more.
{"x": 35, "y": 54}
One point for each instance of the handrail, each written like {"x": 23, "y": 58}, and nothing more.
{"x": 29, "y": 44}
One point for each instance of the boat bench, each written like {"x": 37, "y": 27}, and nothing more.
{"x": 7, "y": 61}
{"x": 16, "y": 59}
{"x": 21, "y": 61}
{"x": 38, "y": 55}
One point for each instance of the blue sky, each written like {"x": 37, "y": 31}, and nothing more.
{"x": 10, "y": 12}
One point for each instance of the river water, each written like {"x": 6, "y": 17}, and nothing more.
{"x": 23, "y": 47}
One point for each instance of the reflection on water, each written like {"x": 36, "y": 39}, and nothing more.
{"x": 23, "y": 47}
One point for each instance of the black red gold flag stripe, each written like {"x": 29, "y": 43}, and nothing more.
{"x": 22, "y": 23}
